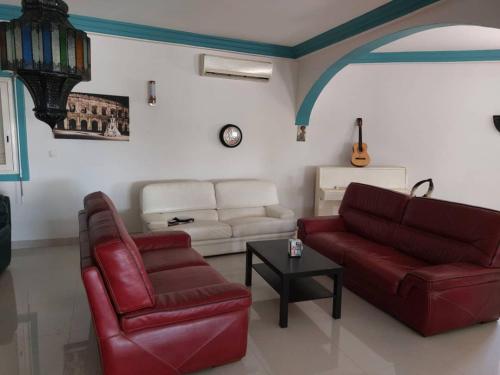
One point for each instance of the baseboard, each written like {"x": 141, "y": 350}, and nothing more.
{"x": 52, "y": 242}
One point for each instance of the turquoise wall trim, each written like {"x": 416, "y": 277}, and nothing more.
{"x": 429, "y": 56}
{"x": 8, "y": 12}
{"x": 24, "y": 174}
{"x": 125, "y": 29}
{"x": 383, "y": 14}
{"x": 358, "y": 54}
{"x": 131, "y": 30}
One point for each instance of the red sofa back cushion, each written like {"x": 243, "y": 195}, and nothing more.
{"x": 442, "y": 232}
{"x": 372, "y": 212}
{"x": 122, "y": 277}
{"x": 95, "y": 204}
{"x": 118, "y": 258}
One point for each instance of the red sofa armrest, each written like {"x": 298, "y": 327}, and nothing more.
{"x": 310, "y": 225}
{"x": 448, "y": 276}
{"x": 162, "y": 240}
{"x": 188, "y": 305}
{"x": 104, "y": 315}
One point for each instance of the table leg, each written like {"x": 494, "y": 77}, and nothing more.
{"x": 337, "y": 295}
{"x": 248, "y": 271}
{"x": 284, "y": 297}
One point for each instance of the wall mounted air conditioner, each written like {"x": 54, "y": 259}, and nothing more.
{"x": 229, "y": 67}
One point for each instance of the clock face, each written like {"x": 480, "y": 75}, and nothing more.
{"x": 231, "y": 136}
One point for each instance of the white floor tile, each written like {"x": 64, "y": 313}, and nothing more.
{"x": 45, "y": 329}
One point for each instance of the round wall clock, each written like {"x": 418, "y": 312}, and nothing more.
{"x": 230, "y": 135}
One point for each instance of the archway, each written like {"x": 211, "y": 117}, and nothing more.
{"x": 72, "y": 124}
{"x": 357, "y": 55}
{"x": 424, "y": 109}
{"x": 83, "y": 125}
{"x": 95, "y": 126}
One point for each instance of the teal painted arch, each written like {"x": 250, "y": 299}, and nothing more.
{"x": 358, "y": 54}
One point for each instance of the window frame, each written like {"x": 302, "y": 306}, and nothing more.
{"x": 19, "y": 168}
{"x": 9, "y": 125}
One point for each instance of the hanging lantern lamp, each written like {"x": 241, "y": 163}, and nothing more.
{"x": 47, "y": 53}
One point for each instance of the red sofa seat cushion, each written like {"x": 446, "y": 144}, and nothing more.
{"x": 187, "y": 294}
{"x": 184, "y": 278}
{"x": 165, "y": 259}
{"x": 442, "y": 232}
{"x": 372, "y": 212}
{"x": 384, "y": 266}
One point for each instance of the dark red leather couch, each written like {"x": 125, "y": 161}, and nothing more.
{"x": 157, "y": 306}
{"x": 434, "y": 265}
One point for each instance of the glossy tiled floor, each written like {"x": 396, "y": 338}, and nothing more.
{"x": 45, "y": 329}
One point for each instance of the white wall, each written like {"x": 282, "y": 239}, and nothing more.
{"x": 461, "y": 12}
{"x": 177, "y": 139}
{"x": 440, "y": 128}
{"x": 435, "y": 119}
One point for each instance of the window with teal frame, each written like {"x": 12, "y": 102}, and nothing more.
{"x": 14, "y": 165}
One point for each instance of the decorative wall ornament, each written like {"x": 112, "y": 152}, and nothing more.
{"x": 95, "y": 117}
{"x": 496, "y": 121}
{"x": 230, "y": 135}
{"x": 301, "y": 133}
{"x": 152, "y": 93}
{"x": 47, "y": 53}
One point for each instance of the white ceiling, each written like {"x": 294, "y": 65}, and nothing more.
{"x": 449, "y": 38}
{"x": 285, "y": 22}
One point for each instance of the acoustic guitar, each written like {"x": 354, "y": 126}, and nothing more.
{"x": 360, "y": 157}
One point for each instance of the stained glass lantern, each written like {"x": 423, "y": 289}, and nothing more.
{"x": 47, "y": 53}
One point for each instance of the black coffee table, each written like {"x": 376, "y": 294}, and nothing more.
{"x": 292, "y": 277}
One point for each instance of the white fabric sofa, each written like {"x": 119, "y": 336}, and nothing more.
{"x": 226, "y": 213}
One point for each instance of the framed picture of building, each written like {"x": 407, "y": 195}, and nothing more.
{"x": 95, "y": 117}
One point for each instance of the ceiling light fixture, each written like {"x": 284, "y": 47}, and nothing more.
{"x": 47, "y": 53}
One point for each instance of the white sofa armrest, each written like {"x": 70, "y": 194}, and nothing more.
{"x": 155, "y": 222}
{"x": 279, "y": 212}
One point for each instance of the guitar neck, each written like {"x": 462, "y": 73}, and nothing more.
{"x": 359, "y": 122}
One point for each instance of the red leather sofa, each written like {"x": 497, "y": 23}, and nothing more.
{"x": 434, "y": 265}
{"x": 157, "y": 306}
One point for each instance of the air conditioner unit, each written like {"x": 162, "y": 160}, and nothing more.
{"x": 236, "y": 68}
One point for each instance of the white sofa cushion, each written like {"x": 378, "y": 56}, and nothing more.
{"x": 199, "y": 230}
{"x": 245, "y": 193}
{"x": 251, "y": 226}
{"x": 164, "y": 217}
{"x": 233, "y": 213}
{"x": 279, "y": 212}
{"x": 178, "y": 196}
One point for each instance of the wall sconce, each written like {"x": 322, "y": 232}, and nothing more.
{"x": 496, "y": 121}
{"x": 152, "y": 93}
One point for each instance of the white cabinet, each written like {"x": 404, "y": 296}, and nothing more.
{"x": 331, "y": 183}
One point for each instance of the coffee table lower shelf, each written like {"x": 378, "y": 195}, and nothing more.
{"x": 301, "y": 288}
